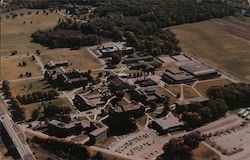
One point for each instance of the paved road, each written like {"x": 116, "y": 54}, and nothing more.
{"x": 98, "y": 149}
{"x": 40, "y": 63}
{"x": 17, "y": 138}
{"x": 46, "y": 154}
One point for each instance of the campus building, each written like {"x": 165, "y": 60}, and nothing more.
{"x": 185, "y": 102}
{"x": 176, "y": 76}
{"x": 166, "y": 125}
{"x": 107, "y": 50}
{"x": 73, "y": 79}
{"x": 116, "y": 83}
{"x": 199, "y": 70}
{"x": 147, "y": 94}
{"x": 99, "y": 134}
{"x": 61, "y": 129}
{"x": 86, "y": 102}
{"x": 53, "y": 65}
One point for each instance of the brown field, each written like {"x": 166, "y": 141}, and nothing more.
{"x": 219, "y": 42}
{"x": 235, "y": 27}
{"x": 189, "y": 92}
{"x": 78, "y": 59}
{"x": 202, "y": 87}
{"x": 175, "y": 89}
{"x": 29, "y": 86}
{"x": 10, "y": 70}
{"x": 28, "y": 109}
{"x": 172, "y": 99}
{"x": 16, "y": 36}
{"x": 204, "y": 153}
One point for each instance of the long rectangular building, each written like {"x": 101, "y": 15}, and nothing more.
{"x": 199, "y": 70}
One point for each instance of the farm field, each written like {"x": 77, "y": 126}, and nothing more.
{"x": 78, "y": 59}
{"x": 223, "y": 43}
{"x": 14, "y": 72}
{"x": 15, "y": 35}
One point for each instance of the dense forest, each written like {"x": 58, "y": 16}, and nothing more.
{"x": 142, "y": 23}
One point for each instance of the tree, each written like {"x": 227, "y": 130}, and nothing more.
{"x": 176, "y": 149}
{"x": 218, "y": 107}
{"x": 205, "y": 113}
{"x": 192, "y": 118}
{"x": 152, "y": 106}
{"x": 116, "y": 58}
{"x": 193, "y": 139}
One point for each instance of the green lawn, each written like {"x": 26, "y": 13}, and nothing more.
{"x": 16, "y": 36}
{"x": 209, "y": 42}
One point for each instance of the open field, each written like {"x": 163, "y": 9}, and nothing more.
{"x": 202, "y": 87}
{"x": 28, "y": 109}
{"x": 78, "y": 59}
{"x": 222, "y": 43}
{"x": 29, "y": 86}
{"x": 204, "y": 153}
{"x": 172, "y": 99}
{"x": 10, "y": 69}
{"x": 175, "y": 89}
{"x": 189, "y": 92}
{"x": 15, "y": 35}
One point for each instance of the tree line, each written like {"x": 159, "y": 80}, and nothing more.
{"x": 140, "y": 22}
{"x": 17, "y": 112}
{"x": 235, "y": 95}
{"x": 37, "y": 97}
{"x": 64, "y": 149}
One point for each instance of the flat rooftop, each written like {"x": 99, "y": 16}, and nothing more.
{"x": 179, "y": 77}
{"x": 192, "y": 100}
{"x": 181, "y": 58}
{"x": 168, "y": 122}
{"x": 197, "y": 68}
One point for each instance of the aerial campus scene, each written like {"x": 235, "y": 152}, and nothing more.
{"x": 125, "y": 80}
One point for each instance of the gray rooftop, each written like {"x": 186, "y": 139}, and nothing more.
{"x": 168, "y": 122}
{"x": 192, "y": 100}
{"x": 197, "y": 69}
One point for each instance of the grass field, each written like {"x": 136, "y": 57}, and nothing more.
{"x": 28, "y": 109}
{"x": 189, "y": 92}
{"x": 29, "y": 86}
{"x": 204, "y": 153}
{"x": 10, "y": 70}
{"x": 175, "y": 89}
{"x": 78, "y": 59}
{"x": 202, "y": 87}
{"x": 211, "y": 41}
{"x": 15, "y": 36}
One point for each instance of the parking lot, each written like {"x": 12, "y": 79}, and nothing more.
{"x": 234, "y": 139}
{"x": 141, "y": 144}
